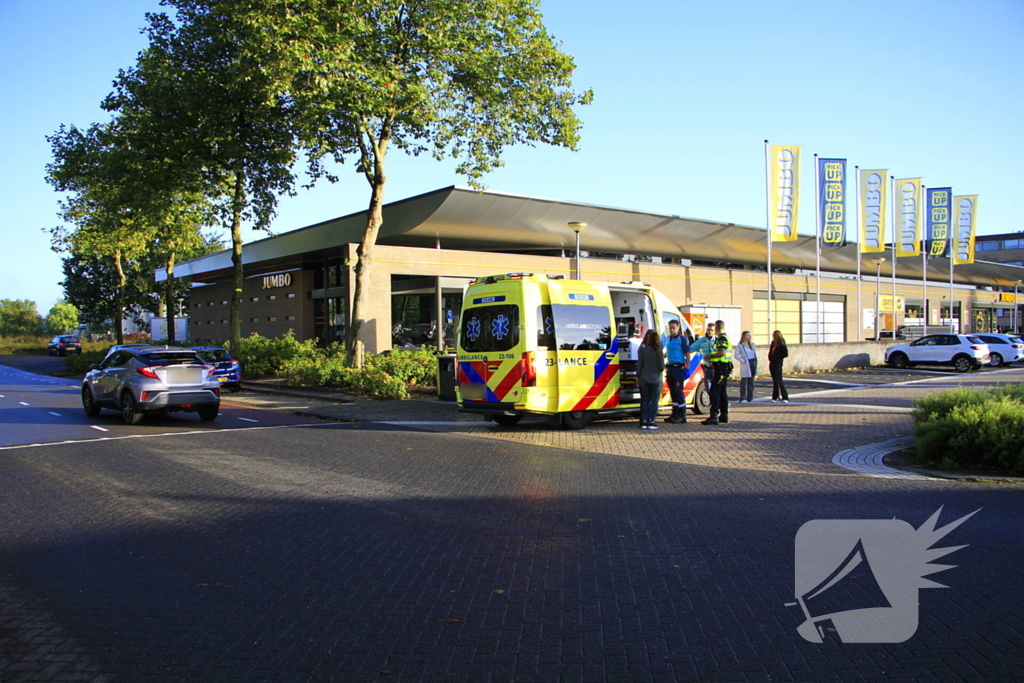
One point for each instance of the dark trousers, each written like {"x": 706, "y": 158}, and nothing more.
{"x": 779, "y": 392}
{"x": 676, "y": 378}
{"x": 719, "y": 389}
{"x": 650, "y": 393}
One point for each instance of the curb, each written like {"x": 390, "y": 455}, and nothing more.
{"x": 869, "y": 459}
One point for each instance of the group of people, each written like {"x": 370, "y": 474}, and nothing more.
{"x": 667, "y": 357}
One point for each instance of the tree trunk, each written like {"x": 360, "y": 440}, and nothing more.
{"x": 171, "y": 312}
{"x": 355, "y": 343}
{"x": 237, "y": 206}
{"x": 119, "y": 304}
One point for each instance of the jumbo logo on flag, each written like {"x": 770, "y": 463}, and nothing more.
{"x": 908, "y": 222}
{"x": 966, "y": 215}
{"x": 872, "y": 211}
{"x": 832, "y": 199}
{"x": 784, "y": 191}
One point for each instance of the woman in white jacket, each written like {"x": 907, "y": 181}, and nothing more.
{"x": 746, "y": 357}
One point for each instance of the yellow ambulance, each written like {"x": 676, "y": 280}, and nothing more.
{"x": 542, "y": 345}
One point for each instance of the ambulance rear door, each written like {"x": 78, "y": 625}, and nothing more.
{"x": 491, "y": 345}
{"x": 587, "y": 355}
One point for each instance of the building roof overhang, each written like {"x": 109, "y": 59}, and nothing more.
{"x": 463, "y": 218}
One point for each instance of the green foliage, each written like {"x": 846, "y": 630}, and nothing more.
{"x": 387, "y": 376}
{"x": 262, "y": 356}
{"x": 973, "y": 428}
{"x": 62, "y": 318}
{"x": 19, "y": 318}
{"x": 23, "y": 346}
{"x": 409, "y": 367}
{"x": 80, "y": 362}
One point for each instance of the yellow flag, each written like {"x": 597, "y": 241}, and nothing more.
{"x": 965, "y": 216}
{"x": 874, "y": 193}
{"x": 784, "y": 191}
{"x": 907, "y": 231}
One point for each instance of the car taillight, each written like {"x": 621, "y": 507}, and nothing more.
{"x": 977, "y": 348}
{"x": 1018, "y": 346}
{"x": 210, "y": 369}
{"x": 216, "y": 392}
{"x": 529, "y": 370}
{"x": 235, "y": 362}
{"x": 148, "y": 372}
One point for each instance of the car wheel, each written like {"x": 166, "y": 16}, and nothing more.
{"x": 130, "y": 410}
{"x": 995, "y": 360}
{"x": 701, "y": 399}
{"x": 209, "y": 413}
{"x": 89, "y": 402}
{"x": 235, "y": 388}
{"x": 576, "y": 419}
{"x": 899, "y": 360}
{"x": 962, "y": 363}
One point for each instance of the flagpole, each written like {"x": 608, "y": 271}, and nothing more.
{"x": 860, "y": 237}
{"x": 817, "y": 248}
{"x": 768, "y": 223}
{"x": 892, "y": 304}
{"x": 952, "y": 253}
{"x": 924, "y": 258}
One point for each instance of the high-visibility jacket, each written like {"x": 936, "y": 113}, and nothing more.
{"x": 722, "y": 344}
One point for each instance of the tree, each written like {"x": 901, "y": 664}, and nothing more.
{"x": 98, "y": 170}
{"x": 457, "y": 78}
{"x": 201, "y": 110}
{"x": 63, "y": 317}
{"x": 19, "y": 318}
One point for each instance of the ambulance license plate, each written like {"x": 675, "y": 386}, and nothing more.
{"x": 471, "y": 391}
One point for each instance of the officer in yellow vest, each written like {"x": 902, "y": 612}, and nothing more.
{"x": 721, "y": 368}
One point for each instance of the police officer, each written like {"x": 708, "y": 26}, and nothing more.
{"x": 677, "y": 351}
{"x": 721, "y": 368}
{"x": 705, "y": 345}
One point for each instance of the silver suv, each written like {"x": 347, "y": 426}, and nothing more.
{"x": 151, "y": 379}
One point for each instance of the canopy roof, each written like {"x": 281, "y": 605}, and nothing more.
{"x": 467, "y": 219}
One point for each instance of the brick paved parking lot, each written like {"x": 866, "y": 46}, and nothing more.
{"x": 356, "y": 552}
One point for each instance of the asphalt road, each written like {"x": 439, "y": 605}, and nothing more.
{"x": 360, "y": 552}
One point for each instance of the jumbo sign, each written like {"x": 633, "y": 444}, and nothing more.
{"x": 275, "y": 281}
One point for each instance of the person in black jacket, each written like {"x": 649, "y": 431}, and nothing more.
{"x": 650, "y": 373}
{"x": 777, "y": 353}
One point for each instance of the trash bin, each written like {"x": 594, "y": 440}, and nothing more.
{"x": 446, "y": 377}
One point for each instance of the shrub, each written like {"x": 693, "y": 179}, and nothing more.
{"x": 80, "y": 362}
{"x": 261, "y": 356}
{"x": 967, "y": 428}
{"x": 411, "y": 367}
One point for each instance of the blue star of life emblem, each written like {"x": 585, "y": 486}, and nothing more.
{"x": 499, "y": 327}
{"x": 473, "y": 329}
{"x": 549, "y": 325}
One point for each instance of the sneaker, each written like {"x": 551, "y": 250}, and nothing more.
{"x": 785, "y": 400}
{"x": 652, "y": 426}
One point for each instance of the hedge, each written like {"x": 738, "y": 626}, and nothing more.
{"x": 966, "y": 428}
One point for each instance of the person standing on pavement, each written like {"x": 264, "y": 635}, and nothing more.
{"x": 650, "y": 370}
{"x": 746, "y": 358}
{"x": 777, "y": 353}
{"x": 721, "y": 368}
{"x": 705, "y": 345}
{"x": 677, "y": 352}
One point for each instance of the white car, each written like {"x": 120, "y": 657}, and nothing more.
{"x": 1003, "y": 349}
{"x": 962, "y": 351}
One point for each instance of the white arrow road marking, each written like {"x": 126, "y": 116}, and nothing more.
{"x": 102, "y": 429}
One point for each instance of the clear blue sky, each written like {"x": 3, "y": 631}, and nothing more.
{"x": 685, "y": 95}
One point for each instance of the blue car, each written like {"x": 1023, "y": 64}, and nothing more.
{"x": 228, "y": 370}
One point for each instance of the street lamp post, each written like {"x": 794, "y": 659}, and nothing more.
{"x": 878, "y": 301}
{"x": 577, "y": 228}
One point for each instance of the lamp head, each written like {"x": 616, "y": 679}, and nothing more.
{"x": 577, "y": 227}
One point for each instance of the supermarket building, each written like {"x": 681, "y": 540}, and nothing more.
{"x": 432, "y": 244}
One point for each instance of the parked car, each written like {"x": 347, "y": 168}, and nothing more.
{"x": 229, "y": 370}
{"x": 63, "y": 344}
{"x": 962, "y": 351}
{"x": 151, "y": 379}
{"x": 1003, "y": 349}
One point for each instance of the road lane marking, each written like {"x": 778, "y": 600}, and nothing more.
{"x": 206, "y": 432}
{"x": 245, "y": 419}
{"x": 55, "y": 414}
{"x": 22, "y": 403}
